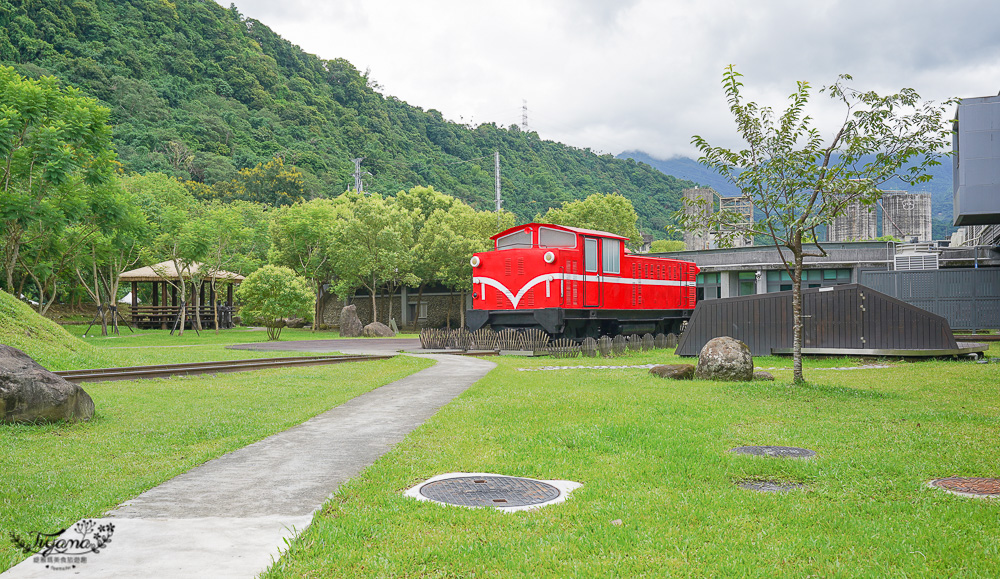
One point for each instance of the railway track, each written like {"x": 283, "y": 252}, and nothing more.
{"x": 167, "y": 370}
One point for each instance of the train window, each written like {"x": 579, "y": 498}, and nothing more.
{"x": 517, "y": 240}
{"x": 589, "y": 255}
{"x": 555, "y": 238}
{"x": 612, "y": 250}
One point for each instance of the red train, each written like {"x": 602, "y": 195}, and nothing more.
{"x": 577, "y": 283}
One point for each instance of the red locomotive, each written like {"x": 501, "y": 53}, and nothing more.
{"x": 576, "y": 283}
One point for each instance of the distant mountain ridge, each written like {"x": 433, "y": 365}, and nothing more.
{"x": 940, "y": 187}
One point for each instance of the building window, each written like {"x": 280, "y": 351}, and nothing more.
{"x": 748, "y": 283}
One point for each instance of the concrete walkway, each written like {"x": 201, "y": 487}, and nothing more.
{"x": 229, "y": 517}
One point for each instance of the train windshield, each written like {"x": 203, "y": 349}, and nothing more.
{"x": 555, "y": 238}
{"x": 517, "y": 240}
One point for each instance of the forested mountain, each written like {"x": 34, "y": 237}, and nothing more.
{"x": 940, "y": 187}
{"x": 200, "y": 92}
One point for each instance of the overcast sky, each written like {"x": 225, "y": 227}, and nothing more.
{"x": 640, "y": 74}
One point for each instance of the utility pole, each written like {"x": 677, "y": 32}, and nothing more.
{"x": 496, "y": 171}
{"x": 358, "y": 184}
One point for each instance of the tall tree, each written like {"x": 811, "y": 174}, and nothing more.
{"x": 302, "y": 239}
{"x": 799, "y": 180}
{"x": 55, "y": 144}
{"x": 612, "y": 213}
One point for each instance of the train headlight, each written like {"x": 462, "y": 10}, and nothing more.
{"x": 475, "y": 261}
{"x": 549, "y": 257}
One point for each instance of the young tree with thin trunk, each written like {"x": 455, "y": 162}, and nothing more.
{"x": 799, "y": 179}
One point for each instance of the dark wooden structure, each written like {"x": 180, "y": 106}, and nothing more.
{"x": 847, "y": 319}
{"x": 163, "y": 309}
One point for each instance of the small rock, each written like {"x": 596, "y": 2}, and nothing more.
{"x": 350, "y": 325}
{"x": 30, "y": 393}
{"x": 377, "y": 330}
{"x": 726, "y": 359}
{"x": 674, "y": 371}
{"x": 762, "y": 375}
{"x": 617, "y": 522}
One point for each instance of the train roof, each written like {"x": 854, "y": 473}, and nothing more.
{"x": 579, "y": 230}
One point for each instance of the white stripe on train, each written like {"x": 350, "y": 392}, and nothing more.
{"x": 550, "y": 277}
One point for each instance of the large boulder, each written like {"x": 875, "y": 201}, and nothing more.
{"x": 377, "y": 330}
{"x": 725, "y": 359}
{"x": 30, "y": 393}
{"x": 295, "y": 322}
{"x": 350, "y": 325}
{"x": 675, "y": 371}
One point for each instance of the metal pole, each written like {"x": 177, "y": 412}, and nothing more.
{"x": 496, "y": 172}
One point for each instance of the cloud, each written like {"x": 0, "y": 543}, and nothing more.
{"x": 642, "y": 74}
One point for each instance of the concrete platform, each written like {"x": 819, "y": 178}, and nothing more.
{"x": 230, "y": 516}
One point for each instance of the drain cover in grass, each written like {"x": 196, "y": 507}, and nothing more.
{"x": 767, "y": 486}
{"x": 492, "y": 490}
{"x": 969, "y": 486}
{"x": 777, "y": 451}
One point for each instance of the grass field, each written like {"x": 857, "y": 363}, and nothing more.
{"x": 146, "y": 432}
{"x": 654, "y": 454}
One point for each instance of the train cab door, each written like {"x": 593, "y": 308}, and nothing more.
{"x": 591, "y": 272}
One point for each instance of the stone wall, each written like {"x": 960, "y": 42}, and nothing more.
{"x": 437, "y": 310}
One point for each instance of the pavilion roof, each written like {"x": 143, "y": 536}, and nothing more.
{"x": 165, "y": 271}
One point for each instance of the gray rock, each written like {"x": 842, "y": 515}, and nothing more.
{"x": 350, "y": 325}
{"x": 294, "y": 322}
{"x": 377, "y": 330}
{"x": 30, "y": 393}
{"x": 675, "y": 371}
{"x": 725, "y": 359}
{"x": 762, "y": 375}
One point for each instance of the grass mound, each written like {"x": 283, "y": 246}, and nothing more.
{"x": 42, "y": 339}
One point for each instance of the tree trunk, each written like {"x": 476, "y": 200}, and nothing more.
{"x": 416, "y": 314}
{"x": 388, "y": 317}
{"x": 797, "y": 311}
{"x": 183, "y": 312}
{"x": 461, "y": 310}
{"x": 196, "y": 298}
{"x": 372, "y": 289}
{"x": 451, "y": 304}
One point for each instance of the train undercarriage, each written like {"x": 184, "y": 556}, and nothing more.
{"x": 579, "y": 324}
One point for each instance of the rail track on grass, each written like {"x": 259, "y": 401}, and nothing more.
{"x": 167, "y": 370}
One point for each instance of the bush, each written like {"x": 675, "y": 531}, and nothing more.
{"x": 273, "y": 293}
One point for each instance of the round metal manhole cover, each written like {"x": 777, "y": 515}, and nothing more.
{"x": 489, "y": 491}
{"x": 969, "y": 486}
{"x": 767, "y": 486}
{"x": 775, "y": 451}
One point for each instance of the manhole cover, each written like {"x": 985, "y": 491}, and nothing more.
{"x": 777, "y": 451}
{"x": 489, "y": 491}
{"x": 767, "y": 486}
{"x": 969, "y": 486}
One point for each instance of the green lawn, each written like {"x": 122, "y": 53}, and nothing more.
{"x": 654, "y": 453}
{"x": 146, "y": 432}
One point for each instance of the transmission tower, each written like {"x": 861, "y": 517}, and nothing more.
{"x": 524, "y": 114}
{"x": 358, "y": 183}
{"x": 496, "y": 171}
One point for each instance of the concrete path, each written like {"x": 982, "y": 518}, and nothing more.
{"x": 229, "y": 517}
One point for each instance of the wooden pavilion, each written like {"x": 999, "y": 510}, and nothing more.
{"x": 163, "y": 308}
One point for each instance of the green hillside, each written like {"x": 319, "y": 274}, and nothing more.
{"x": 200, "y": 92}
{"x": 42, "y": 339}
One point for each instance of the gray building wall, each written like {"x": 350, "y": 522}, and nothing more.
{"x": 700, "y": 238}
{"x": 976, "y": 163}
{"x": 858, "y": 223}
{"x": 907, "y": 216}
